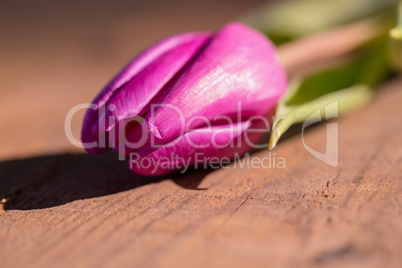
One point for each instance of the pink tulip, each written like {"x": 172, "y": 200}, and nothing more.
{"x": 208, "y": 88}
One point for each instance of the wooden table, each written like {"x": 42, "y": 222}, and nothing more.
{"x": 65, "y": 208}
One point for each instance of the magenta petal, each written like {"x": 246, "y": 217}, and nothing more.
{"x": 140, "y": 81}
{"x": 134, "y": 96}
{"x": 238, "y": 64}
{"x": 196, "y": 148}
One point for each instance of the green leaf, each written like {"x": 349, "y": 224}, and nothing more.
{"x": 348, "y": 99}
{"x": 349, "y": 84}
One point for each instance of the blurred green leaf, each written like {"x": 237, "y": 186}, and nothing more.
{"x": 283, "y": 20}
{"x": 396, "y": 42}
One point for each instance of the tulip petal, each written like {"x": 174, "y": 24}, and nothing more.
{"x": 196, "y": 148}
{"x": 133, "y": 98}
{"x": 239, "y": 64}
{"x": 139, "y": 82}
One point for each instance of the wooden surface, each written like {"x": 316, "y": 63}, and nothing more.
{"x": 64, "y": 208}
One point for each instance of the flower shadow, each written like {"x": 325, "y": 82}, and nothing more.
{"x": 54, "y": 180}
{"x": 49, "y": 181}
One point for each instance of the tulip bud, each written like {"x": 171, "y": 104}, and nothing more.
{"x": 187, "y": 99}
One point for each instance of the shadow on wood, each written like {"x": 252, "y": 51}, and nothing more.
{"x": 53, "y": 180}
{"x": 49, "y": 181}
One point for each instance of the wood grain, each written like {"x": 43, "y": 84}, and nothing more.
{"x": 64, "y": 208}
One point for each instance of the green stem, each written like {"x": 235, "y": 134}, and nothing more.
{"x": 349, "y": 86}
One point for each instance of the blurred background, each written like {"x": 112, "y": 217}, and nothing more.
{"x": 57, "y": 54}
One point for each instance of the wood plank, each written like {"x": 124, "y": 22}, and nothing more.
{"x": 84, "y": 210}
